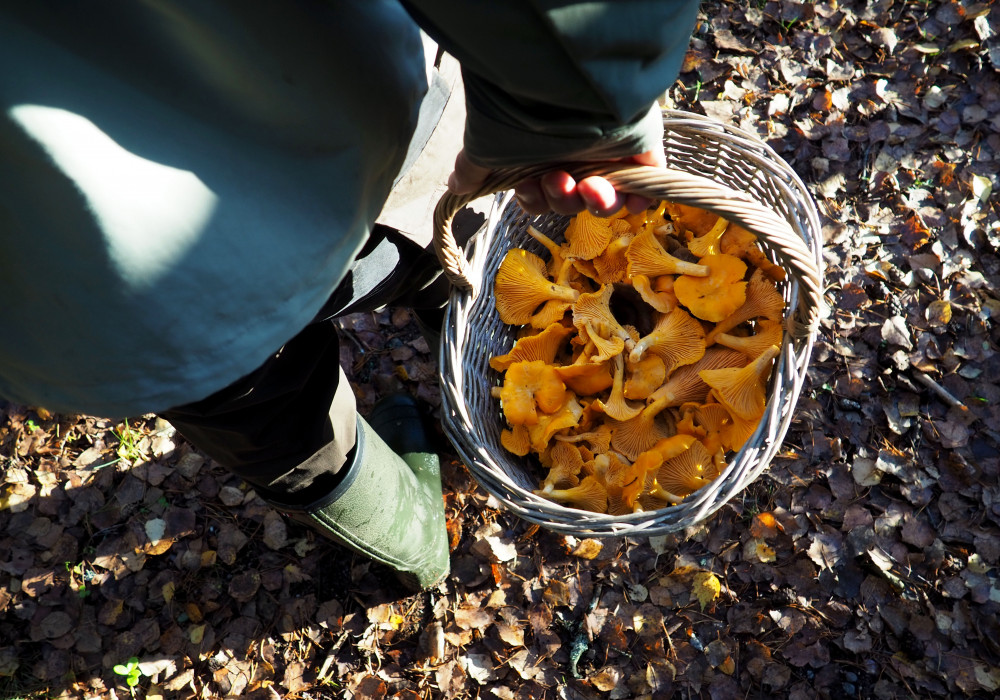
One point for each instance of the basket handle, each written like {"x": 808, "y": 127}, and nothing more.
{"x": 653, "y": 183}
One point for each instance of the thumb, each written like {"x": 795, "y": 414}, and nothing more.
{"x": 467, "y": 176}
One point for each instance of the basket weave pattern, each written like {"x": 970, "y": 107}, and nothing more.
{"x": 713, "y": 166}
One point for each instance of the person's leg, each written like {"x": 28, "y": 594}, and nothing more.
{"x": 288, "y": 427}
{"x": 291, "y": 429}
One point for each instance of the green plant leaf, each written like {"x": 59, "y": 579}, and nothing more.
{"x": 121, "y": 670}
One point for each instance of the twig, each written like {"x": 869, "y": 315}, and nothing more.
{"x": 945, "y": 395}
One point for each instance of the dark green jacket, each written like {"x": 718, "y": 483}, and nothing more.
{"x": 184, "y": 182}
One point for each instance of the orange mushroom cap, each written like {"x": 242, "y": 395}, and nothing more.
{"x": 589, "y": 235}
{"x": 687, "y": 425}
{"x": 671, "y": 447}
{"x": 521, "y": 287}
{"x": 586, "y": 379}
{"x": 695, "y": 220}
{"x": 528, "y": 385}
{"x": 624, "y": 481}
{"x": 645, "y": 464}
{"x": 606, "y": 343}
{"x": 655, "y": 219}
{"x": 713, "y": 418}
{"x": 611, "y": 265}
{"x": 552, "y": 311}
{"x": 638, "y": 434}
{"x": 718, "y": 295}
{"x": 566, "y": 463}
{"x": 737, "y": 431}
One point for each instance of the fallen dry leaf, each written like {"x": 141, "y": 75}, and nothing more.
{"x": 705, "y": 588}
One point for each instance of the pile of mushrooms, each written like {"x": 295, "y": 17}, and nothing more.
{"x": 645, "y": 348}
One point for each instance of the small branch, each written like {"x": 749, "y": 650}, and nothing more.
{"x": 943, "y": 393}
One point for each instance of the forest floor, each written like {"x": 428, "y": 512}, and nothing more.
{"x": 864, "y": 563}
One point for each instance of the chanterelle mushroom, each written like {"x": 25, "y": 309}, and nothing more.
{"x": 686, "y": 385}
{"x": 516, "y": 440}
{"x": 590, "y": 495}
{"x": 616, "y": 406}
{"x": 763, "y": 301}
{"x": 638, "y": 434}
{"x": 644, "y": 376}
{"x": 521, "y": 287}
{"x": 677, "y": 339}
{"x": 647, "y": 257}
{"x": 767, "y": 333}
{"x": 611, "y": 264}
{"x": 528, "y": 385}
{"x": 694, "y": 220}
{"x": 708, "y": 243}
{"x": 686, "y": 473}
{"x": 716, "y": 296}
{"x": 566, "y": 464}
{"x": 542, "y": 346}
{"x": 662, "y": 301}
{"x": 742, "y": 390}
{"x": 740, "y": 242}
{"x": 593, "y": 318}
{"x": 587, "y": 378}
{"x": 589, "y": 235}
{"x": 567, "y": 416}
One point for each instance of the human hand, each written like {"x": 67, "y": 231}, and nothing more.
{"x": 557, "y": 191}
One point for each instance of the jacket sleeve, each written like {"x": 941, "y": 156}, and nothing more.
{"x": 550, "y": 80}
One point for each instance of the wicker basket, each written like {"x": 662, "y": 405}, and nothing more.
{"x": 712, "y": 166}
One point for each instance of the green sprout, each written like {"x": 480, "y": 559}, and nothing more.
{"x": 78, "y": 578}
{"x": 128, "y": 442}
{"x": 697, "y": 91}
{"x": 31, "y": 425}
{"x": 130, "y": 670}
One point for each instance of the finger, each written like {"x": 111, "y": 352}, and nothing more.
{"x": 559, "y": 189}
{"x": 530, "y": 197}
{"x": 467, "y": 176}
{"x": 635, "y": 204}
{"x": 656, "y": 158}
{"x": 599, "y": 197}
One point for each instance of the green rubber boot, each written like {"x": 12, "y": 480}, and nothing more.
{"x": 389, "y": 505}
